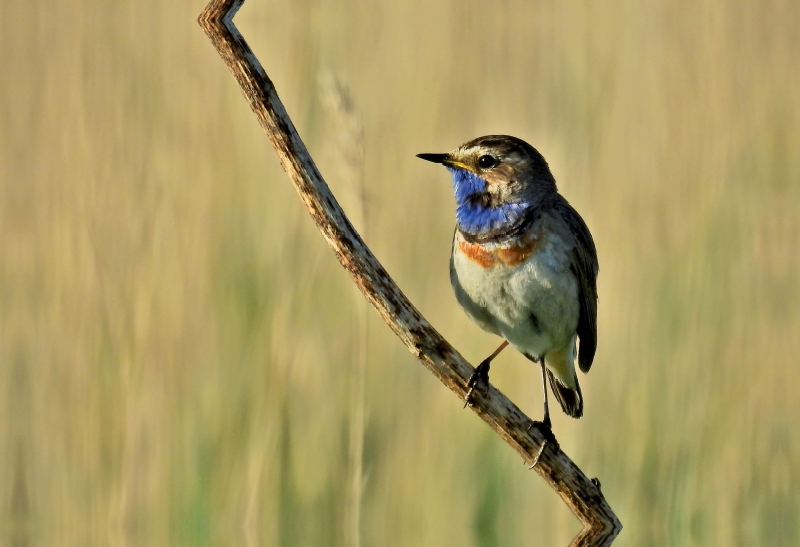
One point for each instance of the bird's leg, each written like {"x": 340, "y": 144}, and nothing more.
{"x": 480, "y": 378}
{"x": 545, "y": 426}
{"x": 546, "y": 420}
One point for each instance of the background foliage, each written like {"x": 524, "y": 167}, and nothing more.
{"x": 183, "y": 361}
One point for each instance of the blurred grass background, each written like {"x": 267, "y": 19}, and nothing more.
{"x": 184, "y": 362}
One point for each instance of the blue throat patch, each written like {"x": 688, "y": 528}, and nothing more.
{"x": 476, "y": 219}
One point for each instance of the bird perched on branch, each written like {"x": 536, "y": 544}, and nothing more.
{"x": 523, "y": 264}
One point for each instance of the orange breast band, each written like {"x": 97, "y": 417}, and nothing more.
{"x": 509, "y": 256}
{"x": 476, "y": 253}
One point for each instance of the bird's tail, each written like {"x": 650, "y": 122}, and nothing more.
{"x": 570, "y": 399}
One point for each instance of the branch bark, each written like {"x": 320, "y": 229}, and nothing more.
{"x": 583, "y": 496}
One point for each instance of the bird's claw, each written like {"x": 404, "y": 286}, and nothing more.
{"x": 478, "y": 381}
{"x": 539, "y": 454}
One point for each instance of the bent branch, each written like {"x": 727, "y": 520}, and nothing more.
{"x": 583, "y": 496}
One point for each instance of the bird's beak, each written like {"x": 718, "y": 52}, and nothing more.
{"x": 444, "y": 159}
{"x": 435, "y": 158}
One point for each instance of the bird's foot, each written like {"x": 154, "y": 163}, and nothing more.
{"x": 479, "y": 381}
{"x": 545, "y": 427}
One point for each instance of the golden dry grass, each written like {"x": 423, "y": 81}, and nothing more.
{"x": 177, "y": 342}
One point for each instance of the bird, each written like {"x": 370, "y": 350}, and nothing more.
{"x": 523, "y": 264}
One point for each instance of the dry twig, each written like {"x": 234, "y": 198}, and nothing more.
{"x": 582, "y": 495}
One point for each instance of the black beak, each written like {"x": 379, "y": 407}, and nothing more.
{"x": 435, "y": 158}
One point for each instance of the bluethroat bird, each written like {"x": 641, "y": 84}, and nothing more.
{"x": 523, "y": 264}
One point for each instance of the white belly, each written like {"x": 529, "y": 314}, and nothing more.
{"x": 533, "y": 305}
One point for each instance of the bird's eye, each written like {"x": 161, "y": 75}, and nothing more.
{"x": 487, "y": 162}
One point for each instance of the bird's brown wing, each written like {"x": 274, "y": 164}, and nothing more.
{"x": 585, "y": 267}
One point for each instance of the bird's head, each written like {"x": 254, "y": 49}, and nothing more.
{"x": 497, "y": 179}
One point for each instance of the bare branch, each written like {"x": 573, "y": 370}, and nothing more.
{"x": 582, "y": 496}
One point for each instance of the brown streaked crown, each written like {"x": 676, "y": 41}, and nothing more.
{"x": 516, "y": 159}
